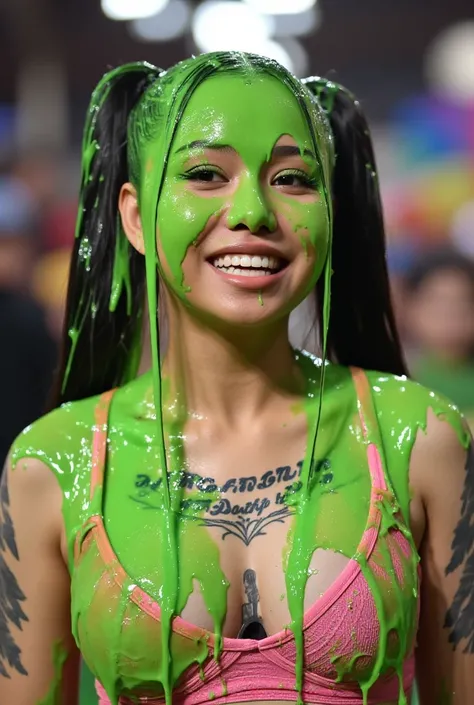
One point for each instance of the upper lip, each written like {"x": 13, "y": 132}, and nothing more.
{"x": 249, "y": 248}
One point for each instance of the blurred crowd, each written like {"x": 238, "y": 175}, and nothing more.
{"x": 36, "y": 234}
{"x": 433, "y": 292}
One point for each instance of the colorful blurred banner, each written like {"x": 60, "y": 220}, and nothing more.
{"x": 435, "y": 162}
{"x": 431, "y": 130}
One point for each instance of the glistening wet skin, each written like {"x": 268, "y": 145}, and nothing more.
{"x": 164, "y": 550}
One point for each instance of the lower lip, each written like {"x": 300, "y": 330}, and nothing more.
{"x": 252, "y": 283}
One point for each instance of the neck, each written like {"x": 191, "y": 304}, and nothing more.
{"x": 233, "y": 374}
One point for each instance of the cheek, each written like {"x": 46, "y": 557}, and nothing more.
{"x": 310, "y": 224}
{"x": 182, "y": 217}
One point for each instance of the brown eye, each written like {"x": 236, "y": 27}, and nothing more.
{"x": 206, "y": 175}
{"x": 295, "y": 179}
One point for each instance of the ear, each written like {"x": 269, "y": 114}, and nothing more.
{"x": 130, "y": 215}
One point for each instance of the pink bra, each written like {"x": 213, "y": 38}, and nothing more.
{"x": 341, "y": 628}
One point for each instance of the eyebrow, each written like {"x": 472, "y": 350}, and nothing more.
{"x": 278, "y": 151}
{"x": 291, "y": 151}
{"x": 203, "y": 144}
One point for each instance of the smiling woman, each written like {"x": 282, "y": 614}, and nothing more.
{"x": 244, "y": 521}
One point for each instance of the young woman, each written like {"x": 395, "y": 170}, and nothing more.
{"x": 244, "y": 522}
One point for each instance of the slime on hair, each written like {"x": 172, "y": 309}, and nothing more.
{"x": 174, "y": 89}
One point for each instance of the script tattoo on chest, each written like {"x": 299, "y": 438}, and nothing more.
{"x": 11, "y": 596}
{"x": 460, "y": 616}
{"x": 243, "y": 519}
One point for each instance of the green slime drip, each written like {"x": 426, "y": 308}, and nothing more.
{"x": 214, "y": 113}
{"x": 63, "y": 440}
{"x": 446, "y": 698}
{"x": 214, "y": 116}
{"x": 60, "y": 655}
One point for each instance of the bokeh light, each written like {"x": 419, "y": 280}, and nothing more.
{"x": 281, "y": 7}
{"x": 171, "y": 22}
{"x": 131, "y": 9}
{"x": 449, "y": 62}
{"x": 233, "y": 26}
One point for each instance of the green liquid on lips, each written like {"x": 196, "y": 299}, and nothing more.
{"x": 214, "y": 115}
{"x": 184, "y": 552}
{"x": 210, "y": 116}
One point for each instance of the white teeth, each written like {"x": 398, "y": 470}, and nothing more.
{"x": 246, "y": 272}
{"x": 247, "y": 262}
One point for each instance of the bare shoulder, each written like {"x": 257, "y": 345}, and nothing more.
{"x": 402, "y": 402}
{"x": 60, "y": 441}
{"x": 425, "y": 438}
{"x": 50, "y": 467}
{"x": 417, "y": 419}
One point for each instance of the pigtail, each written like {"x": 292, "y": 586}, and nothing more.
{"x": 362, "y": 330}
{"x": 103, "y": 320}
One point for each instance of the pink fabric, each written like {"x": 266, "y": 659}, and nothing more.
{"x": 346, "y": 615}
{"x": 250, "y": 670}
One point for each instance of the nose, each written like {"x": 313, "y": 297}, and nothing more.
{"x": 250, "y": 208}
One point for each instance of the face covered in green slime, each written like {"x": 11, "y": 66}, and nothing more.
{"x": 243, "y": 191}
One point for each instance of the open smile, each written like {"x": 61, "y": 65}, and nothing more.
{"x": 249, "y": 270}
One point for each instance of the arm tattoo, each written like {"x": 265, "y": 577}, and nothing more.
{"x": 252, "y": 625}
{"x": 460, "y": 616}
{"x": 11, "y": 596}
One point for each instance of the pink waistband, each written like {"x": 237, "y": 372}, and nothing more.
{"x": 260, "y": 682}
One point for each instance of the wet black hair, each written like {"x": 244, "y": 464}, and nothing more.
{"x": 362, "y": 330}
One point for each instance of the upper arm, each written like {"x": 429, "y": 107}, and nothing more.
{"x": 443, "y": 468}
{"x": 38, "y": 658}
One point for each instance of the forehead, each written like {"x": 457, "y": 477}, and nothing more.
{"x": 246, "y": 112}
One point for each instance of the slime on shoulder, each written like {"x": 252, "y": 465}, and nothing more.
{"x": 178, "y": 232}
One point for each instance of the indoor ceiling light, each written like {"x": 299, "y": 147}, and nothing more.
{"x": 274, "y": 50}
{"x": 131, "y": 9}
{"x": 170, "y": 23}
{"x": 281, "y": 7}
{"x": 450, "y": 62}
{"x": 232, "y": 26}
{"x": 298, "y": 63}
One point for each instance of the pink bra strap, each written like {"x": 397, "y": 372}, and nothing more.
{"x": 99, "y": 441}
{"x": 370, "y": 427}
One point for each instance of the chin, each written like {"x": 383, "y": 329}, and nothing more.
{"x": 225, "y": 302}
{"x": 255, "y": 312}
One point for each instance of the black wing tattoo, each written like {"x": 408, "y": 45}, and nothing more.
{"x": 11, "y": 597}
{"x": 460, "y": 616}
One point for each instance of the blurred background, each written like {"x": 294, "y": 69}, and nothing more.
{"x": 410, "y": 63}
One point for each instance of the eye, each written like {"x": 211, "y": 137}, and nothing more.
{"x": 296, "y": 179}
{"x": 205, "y": 174}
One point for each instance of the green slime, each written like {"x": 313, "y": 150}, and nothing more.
{"x": 63, "y": 441}
{"x": 59, "y": 659}
{"x": 167, "y": 568}
{"x": 213, "y": 116}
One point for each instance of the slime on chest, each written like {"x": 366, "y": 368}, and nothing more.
{"x": 179, "y": 227}
{"x": 303, "y": 540}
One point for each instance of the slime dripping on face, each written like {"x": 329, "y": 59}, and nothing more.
{"x": 226, "y": 130}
